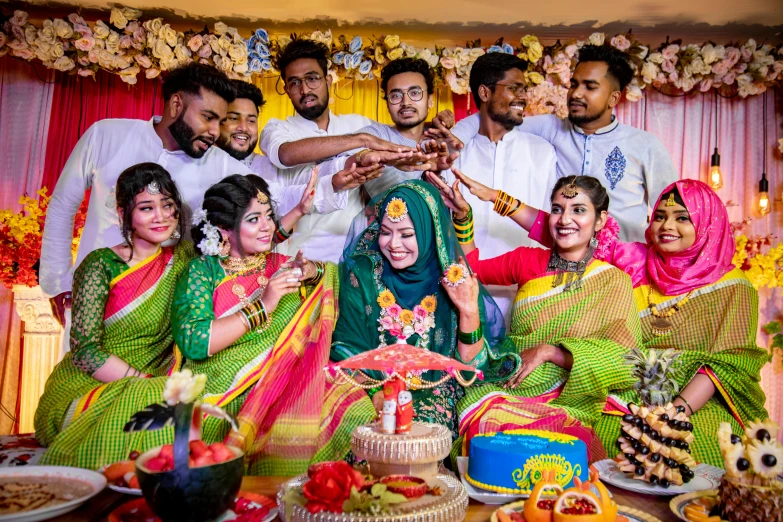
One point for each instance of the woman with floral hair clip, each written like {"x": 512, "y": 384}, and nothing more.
{"x": 573, "y": 316}
{"x": 121, "y": 331}
{"x": 259, "y": 325}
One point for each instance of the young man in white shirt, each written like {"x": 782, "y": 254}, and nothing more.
{"x": 516, "y": 162}
{"x": 314, "y": 134}
{"x": 196, "y": 100}
{"x": 633, "y": 165}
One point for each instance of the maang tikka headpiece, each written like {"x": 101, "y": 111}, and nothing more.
{"x": 569, "y": 191}
{"x": 153, "y": 188}
{"x": 670, "y": 201}
{"x": 261, "y": 197}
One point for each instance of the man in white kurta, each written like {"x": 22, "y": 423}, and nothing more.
{"x": 518, "y": 163}
{"x": 196, "y": 100}
{"x": 289, "y": 146}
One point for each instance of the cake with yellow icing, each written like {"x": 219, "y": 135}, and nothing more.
{"x": 513, "y": 461}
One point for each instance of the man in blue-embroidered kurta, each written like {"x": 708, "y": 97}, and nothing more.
{"x": 632, "y": 164}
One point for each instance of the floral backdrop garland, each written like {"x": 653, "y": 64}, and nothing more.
{"x": 127, "y": 46}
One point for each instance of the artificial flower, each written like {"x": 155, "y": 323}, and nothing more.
{"x": 356, "y": 44}
{"x": 597, "y": 38}
{"x": 455, "y": 275}
{"x": 386, "y": 299}
{"x": 380, "y": 58}
{"x": 101, "y": 30}
{"x": 19, "y": 19}
{"x": 63, "y": 29}
{"x": 118, "y": 19}
{"x": 195, "y": 42}
{"x": 3, "y": 38}
{"x": 406, "y": 317}
{"x": 395, "y": 54}
{"x": 330, "y": 486}
{"x": 447, "y": 62}
{"x": 394, "y": 310}
{"x": 220, "y": 28}
{"x": 429, "y": 303}
{"x": 535, "y": 52}
{"x": 153, "y": 26}
{"x": 183, "y": 387}
{"x": 620, "y": 42}
{"x": 391, "y": 41}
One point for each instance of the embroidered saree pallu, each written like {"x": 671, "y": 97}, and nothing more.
{"x": 271, "y": 379}
{"x": 121, "y": 311}
{"x": 715, "y": 334}
{"x": 596, "y": 323}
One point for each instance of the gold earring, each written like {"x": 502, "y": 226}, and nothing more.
{"x": 225, "y": 245}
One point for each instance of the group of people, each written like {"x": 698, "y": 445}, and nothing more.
{"x": 493, "y": 241}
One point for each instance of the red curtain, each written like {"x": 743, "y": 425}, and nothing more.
{"x": 79, "y": 102}
{"x": 464, "y": 105}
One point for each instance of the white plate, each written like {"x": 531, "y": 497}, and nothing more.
{"x": 482, "y": 495}
{"x": 706, "y": 477}
{"x": 488, "y": 497}
{"x": 96, "y": 480}
{"x": 118, "y": 489}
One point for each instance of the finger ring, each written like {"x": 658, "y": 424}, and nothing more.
{"x": 455, "y": 275}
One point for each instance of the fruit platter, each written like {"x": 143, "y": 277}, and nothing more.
{"x": 334, "y": 491}
{"x": 548, "y": 502}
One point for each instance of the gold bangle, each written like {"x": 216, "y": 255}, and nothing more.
{"x": 518, "y": 207}
{"x": 359, "y": 156}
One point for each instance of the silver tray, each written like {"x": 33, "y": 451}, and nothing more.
{"x": 449, "y": 507}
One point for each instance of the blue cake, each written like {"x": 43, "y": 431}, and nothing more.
{"x": 512, "y": 461}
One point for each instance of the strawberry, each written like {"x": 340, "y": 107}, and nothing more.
{"x": 204, "y": 460}
{"x": 167, "y": 452}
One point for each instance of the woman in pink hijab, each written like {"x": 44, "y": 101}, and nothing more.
{"x": 690, "y": 297}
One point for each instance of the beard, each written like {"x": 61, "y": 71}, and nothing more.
{"x": 506, "y": 120}
{"x": 235, "y": 153}
{"x": 314, "y": 111}
{"x": 584, "y": 118}
{"x": 184, "y": 135}
{"x": 409, "y": 124}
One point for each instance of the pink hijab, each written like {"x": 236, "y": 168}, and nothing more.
{"x": 709, "y": 258}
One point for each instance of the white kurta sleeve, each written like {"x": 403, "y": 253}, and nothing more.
{"x": 56, "y": 270}
{"x": 325, "y": 201}
{"x": 275, "y": 134}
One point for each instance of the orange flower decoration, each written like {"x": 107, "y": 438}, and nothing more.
{"x": 429, "y": 303}
{"x": 406, "y": 316}
{"x": 455, "y": 275}
{"x": 396, "y": 209}
{"x": 386, "y": 299}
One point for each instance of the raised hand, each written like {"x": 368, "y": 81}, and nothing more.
{"x": 452, "y": 196}
{"x": 483, "y": 192}
{"x": 373, "y": 142}
{"x": 464, "y": 294}
{"x": 355, "y": 176}
{"x": 444, "y": 119}
{"x": 308, "y": 196}
{"x": 444, "y": 160}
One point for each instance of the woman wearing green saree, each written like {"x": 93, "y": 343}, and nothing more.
{"x": 393, "y": 291}
{"x": 573, "y": 319}
{"x": 121, "y": 331}
{"x": 259, "y": 325}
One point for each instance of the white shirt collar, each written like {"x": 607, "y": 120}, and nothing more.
{"x": 310, "y": 125}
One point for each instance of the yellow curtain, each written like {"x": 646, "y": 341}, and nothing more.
{"x": 346, "y": 97}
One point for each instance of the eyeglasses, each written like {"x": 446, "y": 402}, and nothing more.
{"x": 313, "y": 82}
{"x": 414, "y": 94}
{"x": 517, "y": 89}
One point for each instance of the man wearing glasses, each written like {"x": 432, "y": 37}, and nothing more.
{"x": 407, "y": 84}
{"x": 518, "y": 163}
{"x": 314, "y": 134}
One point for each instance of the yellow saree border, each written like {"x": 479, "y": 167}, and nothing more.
{"x": 724, "y": 393}
{"x": 134, "y": 268}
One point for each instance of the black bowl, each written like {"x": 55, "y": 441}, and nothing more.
{"x": 191, "y": 494}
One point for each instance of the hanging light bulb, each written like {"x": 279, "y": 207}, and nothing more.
{"x": 765, "y": 205}
{"x": 716, "y": 178}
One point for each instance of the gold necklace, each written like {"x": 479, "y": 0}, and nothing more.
{"x": 235, "y": 267}
{"x": 662, "y": 324}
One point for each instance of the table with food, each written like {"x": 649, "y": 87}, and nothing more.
{"x": 402, "y": 470}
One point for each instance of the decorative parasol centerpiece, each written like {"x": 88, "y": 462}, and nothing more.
{"x": 396, "y": 445}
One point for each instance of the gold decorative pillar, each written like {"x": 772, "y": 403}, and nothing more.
{"x": 41, "y": 349}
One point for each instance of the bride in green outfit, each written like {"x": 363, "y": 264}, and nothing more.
{"x": 259, "y": 325}
{"x": 400, "y": 282}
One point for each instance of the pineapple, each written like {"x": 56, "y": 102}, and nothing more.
{"x": 750, "y": 490}
{"x": 655, "y": 437}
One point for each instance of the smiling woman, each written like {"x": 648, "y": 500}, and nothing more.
{"x": 121, "y": 330}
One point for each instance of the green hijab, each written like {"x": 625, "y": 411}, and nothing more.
{"x": 365, "y": 272}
